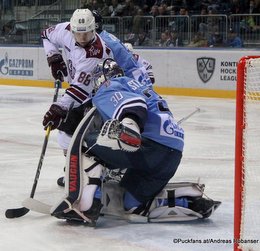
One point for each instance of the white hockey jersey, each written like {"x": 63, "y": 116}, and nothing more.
{"x": 80, "y": 61}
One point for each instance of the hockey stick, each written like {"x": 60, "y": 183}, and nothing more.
{"x": 19, "y": 212}
{"x": 188, "y": 116}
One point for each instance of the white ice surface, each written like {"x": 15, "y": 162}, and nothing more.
{"x": 208, "y": 155}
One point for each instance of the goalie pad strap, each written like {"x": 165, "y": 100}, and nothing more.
{"x": 94, "y": 181}
{"x": 91, "y": 167}
{"x": 171, "y": 198}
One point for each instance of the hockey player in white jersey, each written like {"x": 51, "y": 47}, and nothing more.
{"x": 142, "y": 62}
{"x": 140, "y": 134}
{"x": 83, "y": 50}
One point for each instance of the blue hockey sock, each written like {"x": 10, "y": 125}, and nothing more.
{"x": 130, "y": 201}
{"x": 98, "y": 194}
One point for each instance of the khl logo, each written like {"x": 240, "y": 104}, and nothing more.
{"x": 205, "y": 68}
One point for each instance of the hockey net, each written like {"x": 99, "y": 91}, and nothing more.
{"x": 247, "y": 156}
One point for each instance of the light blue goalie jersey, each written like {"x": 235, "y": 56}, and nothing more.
{"x": 125, "y": 58}
{"x": 120, "y": 96}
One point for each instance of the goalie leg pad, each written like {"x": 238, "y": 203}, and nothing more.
{"x": 195, "y": 207}
{"x": 80, "y": 172}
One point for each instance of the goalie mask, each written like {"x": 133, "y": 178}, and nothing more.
{"x": 105, "y": 71}
{"x": 111, "y": 69}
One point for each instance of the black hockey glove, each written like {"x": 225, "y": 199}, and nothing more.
{"x": 54, "y": 116}
{"x": 74, "y": 117}
{"x": 58, "y": 67}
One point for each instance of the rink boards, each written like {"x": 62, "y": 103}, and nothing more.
{"x": 188, "y": 72}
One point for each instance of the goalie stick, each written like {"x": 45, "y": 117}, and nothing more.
{"x": 19, "y": 212}
{"x": 188, "y": 116}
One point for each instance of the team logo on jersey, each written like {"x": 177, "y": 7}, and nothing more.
{"x": 71, "y": 69}
{"x": 205, "y": 68}
{"x": 16, "y": 66}
{"x": 169, "y": 128}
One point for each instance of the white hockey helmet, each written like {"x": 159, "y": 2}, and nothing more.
{"x": 82, "y": 20}
{"x": 129, "y": 46}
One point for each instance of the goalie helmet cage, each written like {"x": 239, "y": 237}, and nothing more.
{"x": 247, "y": 155}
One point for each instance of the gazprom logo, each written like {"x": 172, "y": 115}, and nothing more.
{"x": 16, "y": 66}
{"x": 205, "y": 68}
{"x": 4, "y": 65}
{"x": 169, "y": 128}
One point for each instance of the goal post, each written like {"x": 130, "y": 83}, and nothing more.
{"x": 247, "y": 156}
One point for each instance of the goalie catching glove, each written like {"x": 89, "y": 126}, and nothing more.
{"x": 124, "y": 135}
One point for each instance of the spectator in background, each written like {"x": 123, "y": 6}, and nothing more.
{"x": 166, "y": 39}
{"x": 154, "y": 11}
{"x": 254, "y": 7}
{"x": 138, "y": 22}
{"x": 238, "y": 6}
{"x": 130, "y": 9}
{"x": 162, "y": 9}
{"x": 182, "y": 22}
{"x": 142, "y": 39}
{"x": 234, "y": 40}
{"x": 115, "y": 9}
{"x": 198, "y": 41}
{"x": 8, "y": 28}
{"x": 201, "y": 22}
{"x": 176, "y": 39}
{"x": 253, "y": 21}
{"x": 215, "y": 40}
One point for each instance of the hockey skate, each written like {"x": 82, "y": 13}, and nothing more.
{"x": 61, "y": 180}
{"x": 65, "y": 210}
{"x": 204, "y": 206}
{"x": 199, "y": 208}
